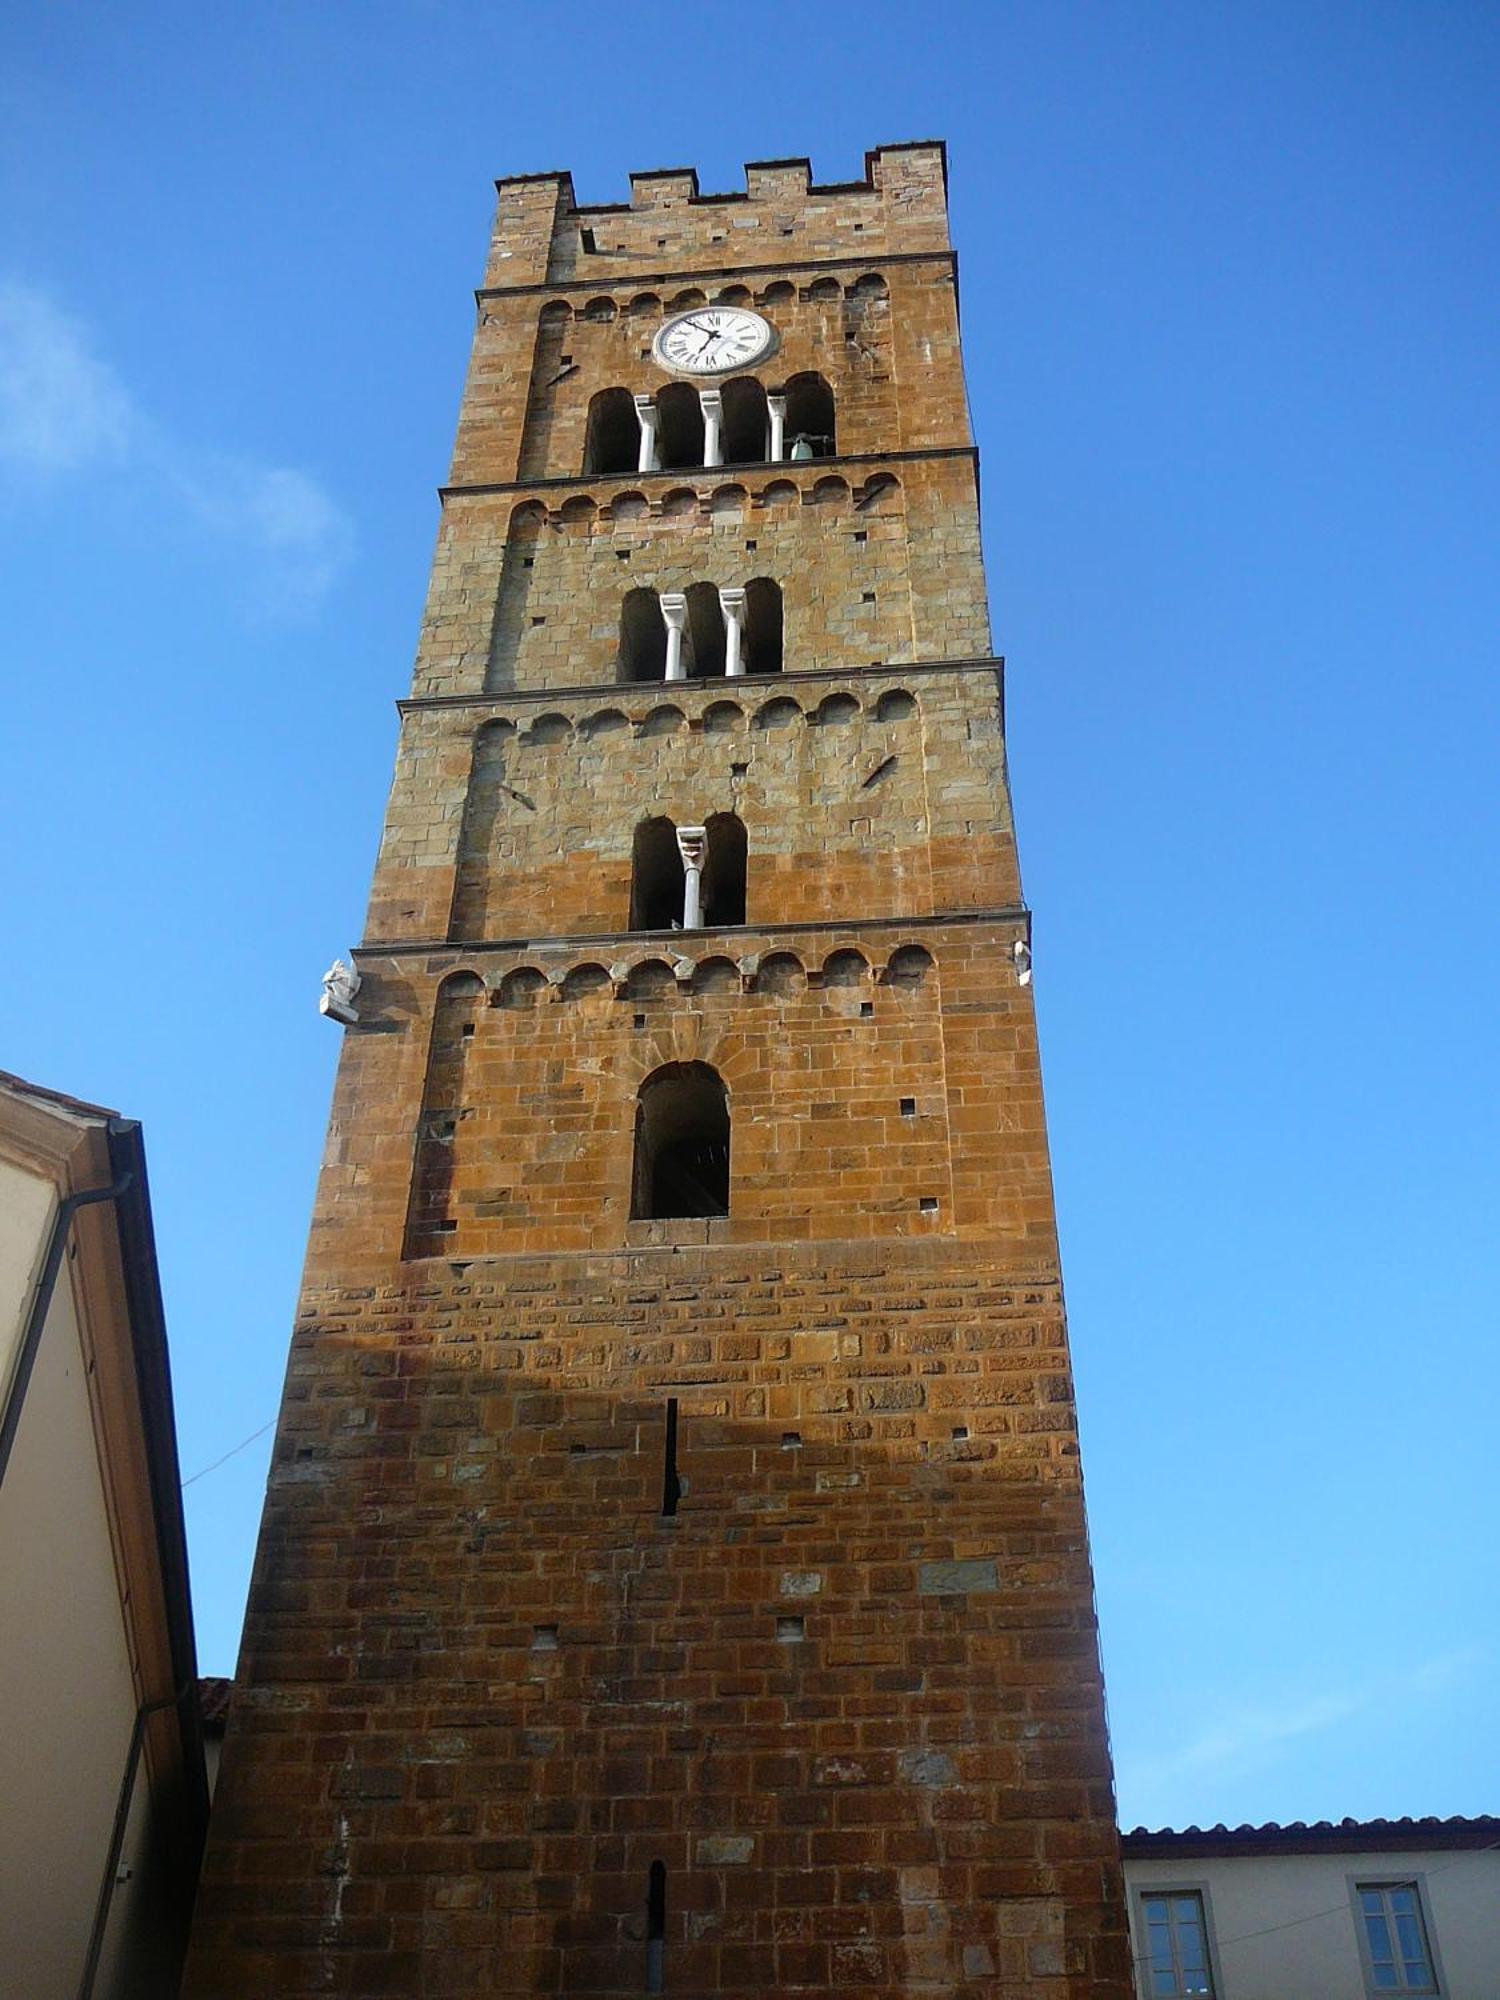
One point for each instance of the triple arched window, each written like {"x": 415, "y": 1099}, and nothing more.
{"x": 681, "y": 427}
{"x": 701, "y": 632}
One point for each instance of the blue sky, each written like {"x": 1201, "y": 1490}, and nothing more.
{"x": 1229, "y": 291}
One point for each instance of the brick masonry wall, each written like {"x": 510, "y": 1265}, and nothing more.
{"x": 881, "y": 792}
{"x": 488, "y": 1682}
{"x": 840, "y": 1680}
{"x": 819, "y": 1036}
{"x": 887, "y": 337}
{"x": 525, "y": 594}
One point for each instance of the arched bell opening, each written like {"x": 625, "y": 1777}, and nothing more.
{"x": 679, "y": 427}
{"x": 746, "y": 421}
{"x": 705, "y": 632}
{"x": 643, "y": 637}
{"x": 763, "y": 633}
{"x": 811, "y": 430}
{"x": 681, "y": 1145}
{"x": 612, "y": 443}
{"x": 656, "y": 877}
{"x": 724, "y": 872}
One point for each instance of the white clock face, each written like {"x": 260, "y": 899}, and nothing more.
{"x": 713, "y": 340}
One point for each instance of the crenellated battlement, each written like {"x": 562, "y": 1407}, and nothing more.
{"x": 543, "y": 235}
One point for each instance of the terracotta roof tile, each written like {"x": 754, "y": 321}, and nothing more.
{"x": 1322, "y": 1836}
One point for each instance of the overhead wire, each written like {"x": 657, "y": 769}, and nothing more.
{"x": 232, "y": 1452}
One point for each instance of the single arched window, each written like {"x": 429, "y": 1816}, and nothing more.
{"x": 724, "y": 872}
{"x": 762, "y": 626}
{"x": 679, "y": 427}
{"x": 613, "y": 440}
{"x": 656, "y": 877}
{"x": 705, "y": 631}
{"x": 681, "y": 1144}
{"x": 746, "y": 420}
{"x": 809, "y": 417}
{"x": 643, "y": 637}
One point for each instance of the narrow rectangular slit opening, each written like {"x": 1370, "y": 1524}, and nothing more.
{"x": 656, "y": 1922}
{"x": 671, "y": 1489}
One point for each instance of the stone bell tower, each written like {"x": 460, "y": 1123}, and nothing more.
{"x": 673, "y": 1575}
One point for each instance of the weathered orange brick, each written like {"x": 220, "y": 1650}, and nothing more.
{"x": 489, "y": 1681}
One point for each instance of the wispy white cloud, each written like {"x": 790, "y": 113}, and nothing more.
{"x": 1247, "y": 1738}
{"x": 303, "y": 538}
{"x": 1240, "y": 1740}
{"x": 64, "y": 410}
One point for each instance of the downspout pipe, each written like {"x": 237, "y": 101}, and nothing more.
{"x": 143, "y": 1716}
{"x": 41, "y": 1300}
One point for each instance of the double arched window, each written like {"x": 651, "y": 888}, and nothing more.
{"x": 682, "y": 427}
{"x": 701, "y": 632}
{"x": 659, "y": 866}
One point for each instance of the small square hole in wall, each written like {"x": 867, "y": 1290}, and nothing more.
{"x": 661, "y": 242}
{"x": 446, "y": 1227}
{"x": 577, "y": 1450}
{"x": 528, "y": 562}
{"x": 540, "y": 618}
{"x": 786, "y": 229}
{"x": 960, "y": 1431}
{"x": 565, "y": 360}
{"x": 467, "y": 1029}
{"x": 645, "y": 354}
{"x": 867, "y": 597}
{"x": 791, "y": 1631}
{"x": 928, "y": 1204}
{"x": 861, "y": 535}
{"x": 640, "y": 1021}
{"x": 622, "y": 555}
{"x": 866, "y": 1009}
{"x": 791, "y": 1440}
{"x": 750, "y": 548}
{"x": 738, "y": 770}
{"x": 908, "y": 1107}
{"x": 544, "y": 1638}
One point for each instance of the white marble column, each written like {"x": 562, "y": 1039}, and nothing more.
{"x": 711, "y": 402}
{"x": 732, "y": 604}
{"x": 674, "y": 611}
{"x": 692, "y": 845}
{"x": 645, "y": 416}
{"x": 776, "y": 409}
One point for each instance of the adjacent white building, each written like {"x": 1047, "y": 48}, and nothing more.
{"x": 103, "y": 1800}
{"x": 1352, "y": 1911}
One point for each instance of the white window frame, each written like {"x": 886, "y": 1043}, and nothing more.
{"x": 1374, "y": 1878}
{"x": 1198, "y": 1888}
